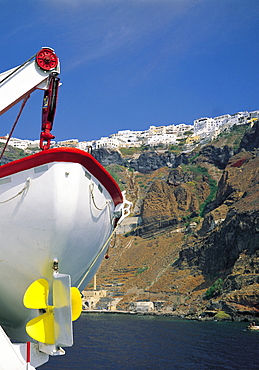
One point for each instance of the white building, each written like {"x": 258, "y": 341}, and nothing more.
{"x": 239, "y": 118}
{"x": 128, "y": 138}
{"x": 153, "y": 130}
{"x": 204, "y": 125}
{"x": 91, "y": 298}
{"x": 171, "y": 129}
{"x": 142, "y": 306}
{"x": 161, "y": 139}
{"x": 3, "y": 139}
{"x": 254, "y": 114}
{"x": 20, "y": 143}
{"x": 221, "y": 120}
{"x": 182, "y": 127}
{"x": 124, "y": 133}
{"x": 85, "y": 145}
{"x": 106, "y": 142}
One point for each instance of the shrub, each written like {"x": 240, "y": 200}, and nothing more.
{"x": 214, "y": 290}
{"x": 114, "y": 171}
{"x": 141, "y": 269}
{"x": 130, "y": 151}
{"x": 213, "y": 191}
{"x": 222, "y": 315}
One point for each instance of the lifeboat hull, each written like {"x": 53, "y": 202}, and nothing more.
{"x": 59, "y": 204}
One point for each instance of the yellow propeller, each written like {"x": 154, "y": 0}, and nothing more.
{"x": 54, "y": 324}
{"x": 76, "y": 301}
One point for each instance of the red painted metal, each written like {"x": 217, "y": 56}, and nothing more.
{"x": 28, "y": 352}
{"x": 66, "y": 155}
{"x": 48, "y": 112}
{"x": 47, "y": 59}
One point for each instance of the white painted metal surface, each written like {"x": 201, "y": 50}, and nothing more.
{"x": 27, "y": 79}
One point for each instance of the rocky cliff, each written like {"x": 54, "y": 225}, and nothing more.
{"x": 197, "y": 249}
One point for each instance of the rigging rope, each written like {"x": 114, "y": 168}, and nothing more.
{"x": 91, "y": 187}
{"x": 125, "y": 213}
{"x": 15, "y": 123}
{"x": 96, "y": 257}
{"x": 26, "y": 186}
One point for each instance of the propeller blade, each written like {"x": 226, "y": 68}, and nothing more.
{"x": 76, "y": 302}
{"x": 36, "y": 295}
{"x": 62, "y": 310}
{"x": 41, "y": 328}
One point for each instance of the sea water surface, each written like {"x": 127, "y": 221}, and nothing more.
{"x": 132, "y": 342}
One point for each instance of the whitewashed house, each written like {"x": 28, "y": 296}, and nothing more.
{"x": 85, "y": 145}
{"x": 254, "y": 114}
{"x": 221, "y": 120}
{"x": 106, "y": 142}
{"x": 142, "y": 307}
{"x": 22, "y": 144}
{"x": 153, "y": 130}
{"x": 128, "y": 138}
{"x": 166, "y": 139}
{"x": 204, "y": 126}
{"x": 182, "y": 128}
{"x": 239, "y": 118}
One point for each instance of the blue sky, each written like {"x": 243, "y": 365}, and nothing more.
{"x": 129, "y": 64}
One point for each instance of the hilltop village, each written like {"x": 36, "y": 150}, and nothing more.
{"x": 202, "y": 129}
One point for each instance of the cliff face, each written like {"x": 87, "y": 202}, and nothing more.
{"x": 174, "y": 198}
{"x": 217, "y": 156}
{"x": 152, "y": 161}
{"x": 230, "y": 248}
{"x": 107, "y": 157}
{"x": 144, "y": 163}
{"x": 238, "y": 192}
{"x": 250, "y": 140}
{"x": 198, "y": 246}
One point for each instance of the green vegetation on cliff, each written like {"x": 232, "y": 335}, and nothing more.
{"x": 215, "y": 290}
{"x": 116, "y": 172}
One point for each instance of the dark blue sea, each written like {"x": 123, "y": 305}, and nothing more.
{"x": 125, "y": 342}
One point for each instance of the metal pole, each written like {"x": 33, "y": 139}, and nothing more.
{"x": 28, "y": 355}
